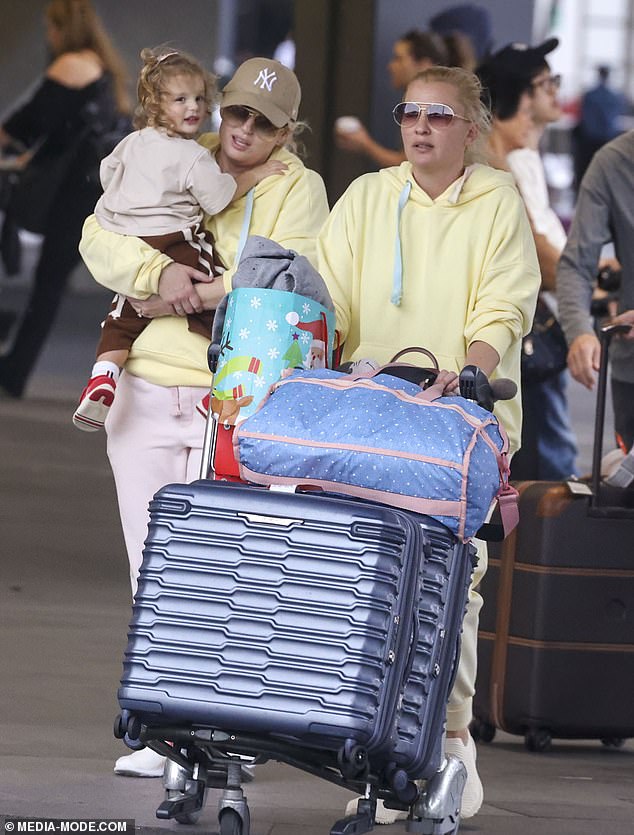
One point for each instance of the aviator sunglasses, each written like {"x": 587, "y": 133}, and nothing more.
{"x": 237, "y": 114}
{"x": 439, "y": 116}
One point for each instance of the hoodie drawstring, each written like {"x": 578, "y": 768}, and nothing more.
{"x": 246, "y": 223}
{"x": 397, "y": 280}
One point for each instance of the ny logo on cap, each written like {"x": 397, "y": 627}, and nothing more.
{"x": 266, "y": 79}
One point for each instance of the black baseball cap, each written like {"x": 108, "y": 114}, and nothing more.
{"x": 522, "y": 59}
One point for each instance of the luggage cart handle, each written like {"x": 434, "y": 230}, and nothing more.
{"x": 211, "y": 424}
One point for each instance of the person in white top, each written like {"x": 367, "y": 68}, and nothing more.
{"x": 157, "y": 183}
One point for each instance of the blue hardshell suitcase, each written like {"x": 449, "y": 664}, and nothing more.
{"x": 297, "y": 616}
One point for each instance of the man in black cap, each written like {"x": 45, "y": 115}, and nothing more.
{"x": 522, "y": 59}
{"x": 549, "y": 446}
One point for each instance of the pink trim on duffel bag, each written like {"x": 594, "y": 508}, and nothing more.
{"x": 390, "y": 453}
{"x": 506, "y": 497}
{"x": 428, "y": 507}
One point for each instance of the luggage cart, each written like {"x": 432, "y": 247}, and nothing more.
{"x": 203, "y": 753}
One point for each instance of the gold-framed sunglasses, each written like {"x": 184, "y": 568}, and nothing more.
{"x": 439, "y": 116}
{"x": 237, "y": 115}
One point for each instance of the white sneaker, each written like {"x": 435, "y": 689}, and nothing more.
{"x": 383, "y": 815}
{"x": 143, "y": 763}
{"x": 473, "y": 794}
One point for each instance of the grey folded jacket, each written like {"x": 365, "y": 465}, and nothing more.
{"x": 265, "y": 264}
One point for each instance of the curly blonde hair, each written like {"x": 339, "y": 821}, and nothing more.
{"x": 470, "y": 92}
{"x": 160, "y": 65}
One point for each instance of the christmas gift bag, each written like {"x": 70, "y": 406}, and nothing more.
{"x": 266, "y": 332}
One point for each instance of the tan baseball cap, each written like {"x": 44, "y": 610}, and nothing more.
{"x": 267, "y": 86}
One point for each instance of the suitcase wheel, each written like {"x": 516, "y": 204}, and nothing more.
{"x": 482, "y": 731}
{"x": 133, "y": 744}
{"x": 352, "y": 760}
{"x": 127, "y": 724}
{"x": 613, "y": 742}
{"x": 134, "y": 727}
{"x": 538, "y": 739}
{"x": 121, "y": 724}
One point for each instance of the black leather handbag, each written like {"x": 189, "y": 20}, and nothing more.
{"x": 544, "y": 349}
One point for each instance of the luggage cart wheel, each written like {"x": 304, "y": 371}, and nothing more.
{"x": 230, "y": 823}
{"x": 184, "y": 817}
{"x": 538, "y": 739}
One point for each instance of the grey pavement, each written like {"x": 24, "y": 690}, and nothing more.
{"x": 64, "y": 609}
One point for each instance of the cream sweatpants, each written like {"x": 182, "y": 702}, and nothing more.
{"x": 459, "y": 710}
{"x": 155, "y": 437}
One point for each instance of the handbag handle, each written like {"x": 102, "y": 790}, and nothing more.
{"x": 417, "y": 374}
{"x": 416, "y": 350}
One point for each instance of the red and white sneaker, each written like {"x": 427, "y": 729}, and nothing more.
{"x": 94, "y": 403}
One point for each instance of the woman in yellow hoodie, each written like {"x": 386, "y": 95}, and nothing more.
{"x": 154, "y": 432}
{"x": 438, "y": 252}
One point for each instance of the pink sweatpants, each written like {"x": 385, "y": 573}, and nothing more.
{"x": 155, "y": 437}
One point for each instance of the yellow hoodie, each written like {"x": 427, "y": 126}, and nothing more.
{"x": 405, "y": 270}
{"x": 289, "y": 208}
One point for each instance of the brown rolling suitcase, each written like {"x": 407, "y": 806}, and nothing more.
{"x": 556, "y": 641}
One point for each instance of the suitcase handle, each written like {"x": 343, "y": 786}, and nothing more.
{"x": 411, "y": 655}
{"x": 606, "y": 335}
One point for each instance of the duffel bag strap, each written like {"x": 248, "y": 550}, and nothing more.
{"x": 508, "y": 508}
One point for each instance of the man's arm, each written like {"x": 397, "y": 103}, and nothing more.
{"x": 360, "y": 142}
{"x": 577, "y": 269}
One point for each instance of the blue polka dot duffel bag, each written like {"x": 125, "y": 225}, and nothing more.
{"x": 380, "y": 438}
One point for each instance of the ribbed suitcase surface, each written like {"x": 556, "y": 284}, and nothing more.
{"x": 295, "y": 615}
{"x": 445, "y": 577}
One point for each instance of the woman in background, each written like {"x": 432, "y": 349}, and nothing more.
{"x": 81, "y": 99}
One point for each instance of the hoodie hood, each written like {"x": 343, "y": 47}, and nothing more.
{"x": 476, "y": 181}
